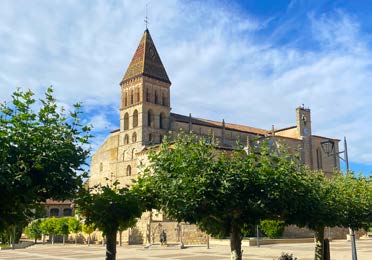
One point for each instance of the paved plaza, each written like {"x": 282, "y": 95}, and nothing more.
{"x": 340, "y": 250}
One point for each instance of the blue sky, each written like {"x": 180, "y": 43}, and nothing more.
{"x": 249, "y": 62}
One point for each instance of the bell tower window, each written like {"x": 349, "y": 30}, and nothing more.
{"x": 137, "y": 95}
{"x": 125, "y": 99}
{"x": 150, "y": 118}
{"x": 156, "y": 97}
{"x": 163, "y": 99}
{"x": 135, "y": 118}
{"x": 126, "y": 121}
{"x": 147, "y": 95}
{"x": 161, "y": 120}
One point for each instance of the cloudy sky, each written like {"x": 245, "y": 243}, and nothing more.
{"x": 249, "y": 62}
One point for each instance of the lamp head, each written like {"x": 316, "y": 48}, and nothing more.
{"x": 328, "y": 146}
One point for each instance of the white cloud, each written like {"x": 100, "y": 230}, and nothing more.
{"x": 218, "y": 66}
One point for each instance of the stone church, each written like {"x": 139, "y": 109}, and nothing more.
{"x": 146, "y": 117}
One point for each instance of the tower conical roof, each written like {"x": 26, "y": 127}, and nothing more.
{"x": 146, "y": 61}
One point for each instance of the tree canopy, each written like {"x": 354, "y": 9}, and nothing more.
{"x": 43, "y": 149}
{"x": 342, "y": 200}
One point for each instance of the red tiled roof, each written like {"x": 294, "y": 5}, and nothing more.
{"x": 211, "y": 123}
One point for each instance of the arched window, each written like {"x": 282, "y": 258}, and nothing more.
{"x": 125, "y": 99}
{"x": 150, "y": 118}
{"x": 147, "y": 95}
{"x": 101, "y": 167}
{"x": 129, "y": 170}
{"x": 67, "y": 212}
{"x": 319, "y": 158}
{"x": 163, "y": 99}
{"x": 126, "y": 139}
{"x": 126, "y": 121}
{"x": 133, "y": 152}
{"x": 131, "y": 97}
{"x": 151, "y": 138}
{"x": 134, "y": 137}
{"x": 156, "y": 97}
{"x": 135, "y": 118}
{"x": 54, "y": 212}
{"x": 161, "y": 120}
{"x": 123, "y": 155}
{"x": 137, "y": 95}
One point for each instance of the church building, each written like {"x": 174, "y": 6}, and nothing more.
{"x": 146, "y": 117}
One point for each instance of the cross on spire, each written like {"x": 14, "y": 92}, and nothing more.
{"x": 146, "y": 18}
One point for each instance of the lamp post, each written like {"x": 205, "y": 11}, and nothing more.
{"x": 328, "y": 147}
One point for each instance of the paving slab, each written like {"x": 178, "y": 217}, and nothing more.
{"x": 340, "y": 250}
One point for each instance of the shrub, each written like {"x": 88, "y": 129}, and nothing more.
{"x": 33, "y": 230}
{"x": 272, "y": 228}
{"x": 287, "y": 256}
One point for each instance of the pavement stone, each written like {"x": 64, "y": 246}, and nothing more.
{"x": 340, "y": 250}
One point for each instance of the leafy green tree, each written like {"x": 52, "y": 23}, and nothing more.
{"x": 33, "y": 229}
{"x": 49, "y": 226}
{"x": 272, "y": 228}
{"x": 109, "y": 208}
{"x": 88, "y": 229}
{"x": 340, "y": 200}
{"x": 42, "y": 153}
{"x": 74, "y": 226}
{"x": 190, "y": 179}
{"x": 355, "y": 199}
{"x": 62, "y": 228}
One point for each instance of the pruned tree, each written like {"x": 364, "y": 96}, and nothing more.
{"x": 341, "y": 200}
{"x": 43, "y": 149}
{"x": 74, "y": 226}
{"x": 62, "y": 228}
{"x": 88, "y": 229}
{"x": 222, "y": 191}
{"x": 33, "y": 230}
{"x": 108, "y": 208}
{"x": 49, "y": 227}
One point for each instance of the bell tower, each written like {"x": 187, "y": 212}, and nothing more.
{"x": 145, "y": 98}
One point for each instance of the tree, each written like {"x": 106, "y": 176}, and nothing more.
{"x": 272, "y": 228}
{"x": 74, "y": 226}
{"x": 222, "y": 191}
{"x": 33, "y": 229}
{"x": 88, "y": 229}
{"x": 339, "y": 200}
{"x": 109, "y": 208}
{"x": 62, "y": 228}
{"x": 41, "y": 156}
{"x": 49, "y": 227}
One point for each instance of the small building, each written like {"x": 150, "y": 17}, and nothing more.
{"x": 54, "y": 208}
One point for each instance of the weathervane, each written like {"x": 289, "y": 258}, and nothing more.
{"x": 146, "y": 18}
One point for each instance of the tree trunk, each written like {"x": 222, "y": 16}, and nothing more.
{"x": 88, "y": 239}
{"x": 111, "y": 245}
{"x": 63, "y": 239}
{"x": 75, "y": 238}
{"x": 120, "y": 237}
{"x": 53, "y": 239}
{"x": 235, "y": 243}
{"x": 319, "y": 243}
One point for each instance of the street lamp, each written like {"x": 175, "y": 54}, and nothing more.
{"x": 328, "y": 148}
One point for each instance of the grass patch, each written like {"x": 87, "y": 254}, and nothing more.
{"x": 5, "y": 246}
